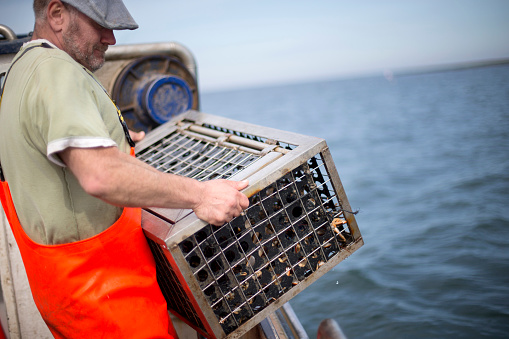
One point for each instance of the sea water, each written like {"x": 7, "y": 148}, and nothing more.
{"x": 425, "y": 158}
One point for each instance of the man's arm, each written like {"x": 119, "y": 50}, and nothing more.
{"x": 120, "y": 179}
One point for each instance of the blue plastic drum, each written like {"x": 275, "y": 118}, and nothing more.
{"x": 152, "y": 90}
{"x": 165, "y": 97}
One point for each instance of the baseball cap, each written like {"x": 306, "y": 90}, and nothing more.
{"x": 111, "y": 14}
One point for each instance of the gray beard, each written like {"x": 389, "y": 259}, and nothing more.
{"x": 72, "y": 48}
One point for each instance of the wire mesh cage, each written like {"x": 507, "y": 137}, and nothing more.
{"x": 223, "y": 280}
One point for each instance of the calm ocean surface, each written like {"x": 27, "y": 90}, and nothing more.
{"x": 425, "y": 158}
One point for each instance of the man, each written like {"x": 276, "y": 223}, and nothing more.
{"x": 76, "y": 191}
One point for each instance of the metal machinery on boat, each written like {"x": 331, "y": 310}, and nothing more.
{"x": 232, "y": 281}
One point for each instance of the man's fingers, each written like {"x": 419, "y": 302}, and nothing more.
{"x": 136, "y": 136}
{"x": 243, "y": 200}
{"x": 238, "y": 185}
{"x": 222, "y": 201}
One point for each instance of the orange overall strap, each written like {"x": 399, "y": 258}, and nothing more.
{"x": 6, "y": 200}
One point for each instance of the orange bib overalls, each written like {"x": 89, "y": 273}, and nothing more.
{"x": 101, "y": 287}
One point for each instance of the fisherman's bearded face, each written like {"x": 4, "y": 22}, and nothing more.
{"x": 82, "y": 41}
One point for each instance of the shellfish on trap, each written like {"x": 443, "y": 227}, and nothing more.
{"x": 223, "y": 280}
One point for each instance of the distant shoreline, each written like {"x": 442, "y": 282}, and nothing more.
{"x": 449, "y": 67}
{"x": 389, "y": 73}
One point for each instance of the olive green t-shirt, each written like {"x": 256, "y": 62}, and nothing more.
{"x": 50, "y": 103}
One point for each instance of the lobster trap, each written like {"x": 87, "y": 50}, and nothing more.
{"x": 223, "y": 280}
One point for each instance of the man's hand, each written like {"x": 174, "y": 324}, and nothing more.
{"x": 221, "y": 201}
{"x": 136, "y": 136}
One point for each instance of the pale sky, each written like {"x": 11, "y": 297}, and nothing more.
{"x": 239, "y": 44}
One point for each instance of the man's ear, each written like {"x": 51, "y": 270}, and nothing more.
{"x": 57, "y": 15}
